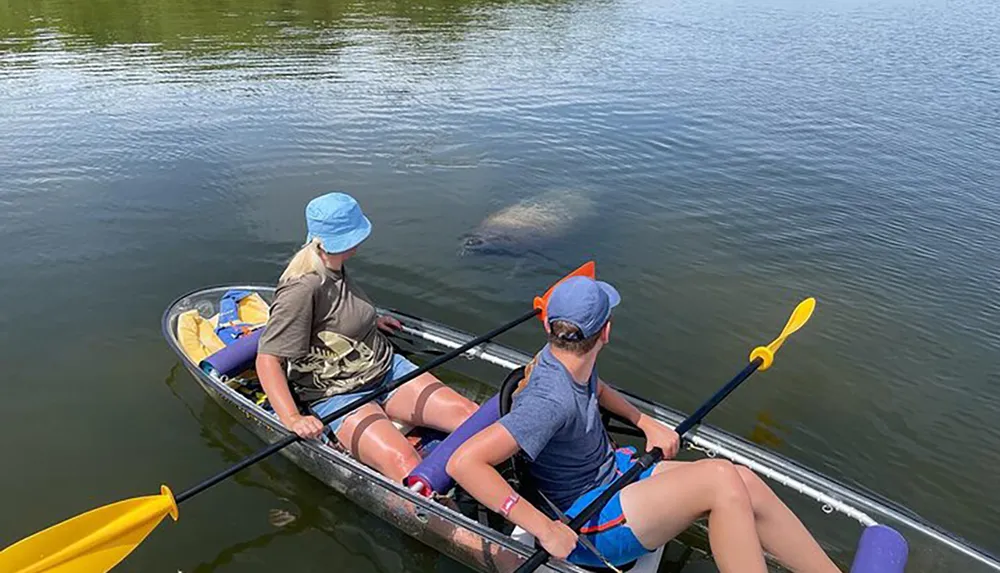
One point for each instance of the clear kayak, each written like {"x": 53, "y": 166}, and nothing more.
{"x": 452, "y": 523}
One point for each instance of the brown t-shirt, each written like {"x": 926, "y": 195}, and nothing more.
{"x": 327, "y": 332}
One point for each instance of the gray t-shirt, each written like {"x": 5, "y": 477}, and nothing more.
{"x": 556, "y": 422}
{"x": 326, "y": 330}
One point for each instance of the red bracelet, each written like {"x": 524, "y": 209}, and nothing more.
{"x": 508, "y": 504}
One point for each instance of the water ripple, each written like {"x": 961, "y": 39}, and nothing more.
{"x": 743, "y": 156}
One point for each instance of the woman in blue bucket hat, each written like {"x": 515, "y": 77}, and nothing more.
{"x": 324, "y": 341}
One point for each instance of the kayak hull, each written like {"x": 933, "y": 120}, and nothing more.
{"x": 843, "y": 511}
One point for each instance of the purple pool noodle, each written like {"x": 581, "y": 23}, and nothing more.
{"x": 881, "y": 549}
{"x": 235, "y": 358}
{"x": 431, "y": 472}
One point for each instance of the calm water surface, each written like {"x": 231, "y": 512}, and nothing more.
{"x": 741, "y": 155}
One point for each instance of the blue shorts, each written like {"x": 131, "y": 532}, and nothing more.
{"x": 400, "y": 367}
{"x": 608, "y": 530}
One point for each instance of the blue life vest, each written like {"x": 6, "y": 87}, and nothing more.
{"x": 230, "y": 326}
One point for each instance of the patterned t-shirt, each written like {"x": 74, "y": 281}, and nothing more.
{"x": 326, "y": 330}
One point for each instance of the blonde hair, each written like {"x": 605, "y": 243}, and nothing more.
{"x": 306, "y": 261}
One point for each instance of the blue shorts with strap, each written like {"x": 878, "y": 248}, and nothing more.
{"x": 608, "y": 530}
{"x": 400, "y": 367}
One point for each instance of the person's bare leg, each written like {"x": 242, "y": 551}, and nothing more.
{"x": 425, "y": 401}
{"x": 666, "y": 503}
{"x": 782, "y": 533}
{"x": 373, "y": 439}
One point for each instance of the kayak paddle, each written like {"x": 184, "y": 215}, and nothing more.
{"x": 761, "y": 358}
{"x": 99, "y": 539}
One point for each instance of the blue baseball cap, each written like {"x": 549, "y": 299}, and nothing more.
{"x": 583, "y": 302}
{"x": 337, "y": 221}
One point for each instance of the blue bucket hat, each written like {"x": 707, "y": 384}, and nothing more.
{"x": 583, "y": 302}
{"x": 337, "y": 221}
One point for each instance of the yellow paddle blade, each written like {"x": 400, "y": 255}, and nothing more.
{"x": 799, "y": 317}
{"x": 91, "y": 542}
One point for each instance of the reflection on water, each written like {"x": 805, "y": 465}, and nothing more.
{"x": 201, "y": 29}
{"x": 740, "y": 156}
{"x": 299, "y": 504}
{"x": 767, "y": 431}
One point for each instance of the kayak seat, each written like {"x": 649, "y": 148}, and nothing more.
{"x": 196, "y": 333}
{"x": 512, "y": 384}
{"x": 521, "y": 479}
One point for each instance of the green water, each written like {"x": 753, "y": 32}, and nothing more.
{"x": 739, "y": 156}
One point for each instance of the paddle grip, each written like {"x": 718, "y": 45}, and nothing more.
{"x": 292, "y": 438}
{"x": 643, "y": 463}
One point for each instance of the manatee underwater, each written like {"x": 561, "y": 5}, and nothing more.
{"x": 529, "y": 225}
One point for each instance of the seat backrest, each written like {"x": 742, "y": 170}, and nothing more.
{"x": 512, "y": 384}
{"x": 515, "y": 381}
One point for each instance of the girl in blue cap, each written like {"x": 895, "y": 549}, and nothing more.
{"x": 324, "y": 341}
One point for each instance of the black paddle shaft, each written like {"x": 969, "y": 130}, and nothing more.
{"x": 644, "y": 462}
{"x": 292, "y": 438}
